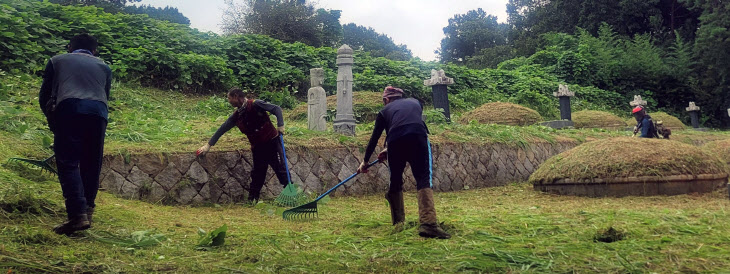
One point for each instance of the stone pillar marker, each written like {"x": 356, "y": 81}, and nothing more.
{"x": 316, "y": 101}
{"x": 345, "y": 118}
{"x": 564, "y": 95}
{"x": 439, "y": 91}
{"x": 694, "y": 114}
{"x": 637, "y": 101}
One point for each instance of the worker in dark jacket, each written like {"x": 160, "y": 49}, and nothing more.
{"x": 644, "y": 123}
{"x": 252, "y": 118}
{"x": 74, "y": 98}
{"x": 406, "y": 142}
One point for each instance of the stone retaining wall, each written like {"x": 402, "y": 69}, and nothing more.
{"x": 223, "y": 177}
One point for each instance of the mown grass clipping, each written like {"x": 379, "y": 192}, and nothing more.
{"x": 669, "y": 121}
{"x": 597, "y": 119}
{"x": 365, "y": 105}
{"x": 502, "y": 114}
{"x": 628, "y": 157}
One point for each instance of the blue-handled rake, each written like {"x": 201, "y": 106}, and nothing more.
{"x": 309, "y": 210}
{"x": 290, "y": 195}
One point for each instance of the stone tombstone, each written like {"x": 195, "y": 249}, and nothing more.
{"x": 728, "y": 112}
{"x": 564, "y": 95}
{"x": 439, "y": 91}
{"x": 637, "y": 101}
{"x": 694, "y": 114}
{"x": 317, "y": 101}
{"x": 345, "y": 118}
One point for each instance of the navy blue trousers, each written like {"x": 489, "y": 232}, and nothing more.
{"x": 79, "y": 147}
{"x": 415, "y": 150}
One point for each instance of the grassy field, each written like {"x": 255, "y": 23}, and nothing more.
{"x": 503, "y": 229}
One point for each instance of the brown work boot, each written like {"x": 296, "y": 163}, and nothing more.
{"x": 427, "y": 216}
{"x": 77, "y": 223}
{"x": 397, "y": 209}
{"x": 89, "y": 215}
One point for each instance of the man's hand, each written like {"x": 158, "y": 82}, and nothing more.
{"x": 383, "y": 155}
{"x": 202, "y": 150}
{"x": 363, "y": 168}
{"x": 281, "y": 130}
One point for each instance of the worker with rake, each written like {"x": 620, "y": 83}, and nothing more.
{"x": 74, "y": 97}
{"x": 252, "y": 118}
{"x": 406, "y": 142}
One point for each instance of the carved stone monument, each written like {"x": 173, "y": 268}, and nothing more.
{"x": 345, "y": 118}
{"x": 439, "y": 91}
{"x": 564, "y": 95}
{"x": 694, "y": 114}
{"x": 637, "y": 101}
{"x": 317, "y": 101}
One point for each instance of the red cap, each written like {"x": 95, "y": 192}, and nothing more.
{"x": 390, "y": 92}
{"x": 637, "y": 109}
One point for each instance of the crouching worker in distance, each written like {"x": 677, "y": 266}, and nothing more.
{"x": 252, "y": 118}
{"x": 406, "y": 142}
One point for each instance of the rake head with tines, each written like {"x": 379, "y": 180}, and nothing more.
{"x": 44, "y": 165}
{"x": 290, "y": 196}
{"x": 309, "y": 210}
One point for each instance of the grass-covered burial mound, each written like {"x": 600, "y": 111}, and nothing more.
{"x": 628, "y": 166}
{"x": 669, "y": 121}
{"x": 597, "y": 119}
{"x": 365, "y": 105}
{"x": 502, "y": 114}
{"x": 720, "y": 148}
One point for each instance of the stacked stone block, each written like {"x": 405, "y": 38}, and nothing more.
{"x": 224, "y": 177}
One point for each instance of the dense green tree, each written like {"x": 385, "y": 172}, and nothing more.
{"x": 286, "y": 20}
{"x": 378, "y": 44}
{"x": 107, "y": 5}
{"x": 467, "y": 34}
{"x": 169, "y": 14}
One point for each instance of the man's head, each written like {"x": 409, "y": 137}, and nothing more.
{"x": 638, "y": 113}
{"x": 391, "y": 94}
{"x": 83, "y": 41}
{"x": 236, "y": 97}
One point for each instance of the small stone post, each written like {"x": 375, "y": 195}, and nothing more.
{"x": 345, "y": 118}
{"x": 637, "y": 101}
{"x": 564, "y": 95}
{"x": 439, "y": 91}
{"x": 316, "y": 101}
{"x": 694, "y": 114}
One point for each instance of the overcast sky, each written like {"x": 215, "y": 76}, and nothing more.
{"x": 416, "y": 23}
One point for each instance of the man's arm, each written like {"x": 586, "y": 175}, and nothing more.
{"x": 377, "y": 131}
{"x": 108, "y": 85}
{"x": 47, "y": 87}
{"x": 273, "y": 109}
{"x": 645, "y": 126}
{"x": 225, "y": 127}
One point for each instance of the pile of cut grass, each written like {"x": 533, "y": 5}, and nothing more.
{"x": 365, "y": 105}
{"x": 668, "y": 120}
{"x": 597, "y": 119}
{"x": 721, "y": 148}
{"x": 502, "y": 114}
{"x": 628, "y": 157}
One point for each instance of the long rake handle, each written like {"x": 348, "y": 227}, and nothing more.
{"x": 343, "y": 182}
{"x": 283, "y": 150}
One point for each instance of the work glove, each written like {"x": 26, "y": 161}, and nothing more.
{"x": 202, "y": 150}
{"x": 383, "y": 155}
{"x": 281, "y": 130}
{"x": 363, "y": 168}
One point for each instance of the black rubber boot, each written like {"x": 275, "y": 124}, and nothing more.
{"x": 77, "y": 223}
{"x": 397, "y": 208}
{"x": 427, "y": 216}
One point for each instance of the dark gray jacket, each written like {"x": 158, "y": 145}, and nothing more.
{"x": 75, "y": 75}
